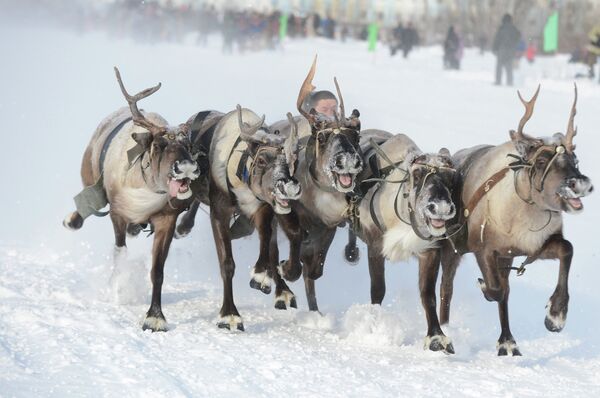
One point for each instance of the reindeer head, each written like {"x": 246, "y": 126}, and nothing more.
{"x": 167, "y": 161}
{"x": 274, "y": 156}
{"x": 555, "y": 182}
{"x": 431, "y": 179}
{"x": 336, "y": 157}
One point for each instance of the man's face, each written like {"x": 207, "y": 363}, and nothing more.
{"x": 326, "y": 107}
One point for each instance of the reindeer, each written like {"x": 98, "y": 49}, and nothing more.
{"x": 405, "y": 211}
{"x": 328, "y": 166}
{"x": 249, "y": 173}
{"x": 512, "y": 205}
{"x": 152, "y": 187}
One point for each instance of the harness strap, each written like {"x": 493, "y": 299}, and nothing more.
{"x": 108, "y": 140}
{"x": 483, "y": 190}
{"x": 372, "y": 209}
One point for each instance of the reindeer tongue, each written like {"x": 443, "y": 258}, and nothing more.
{"x": 174, "y": 186}
{"x": 575, "y": 203}
{"x": 345, "y": 179}
{"x": 436, "y": 223}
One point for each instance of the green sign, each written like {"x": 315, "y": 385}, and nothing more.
{"x": 551, "y": 33}
{"x": 373, "y": 31}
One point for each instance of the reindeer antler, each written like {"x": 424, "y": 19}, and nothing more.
{"x": 529, "y": 105}
{"x": 290, "y": 146}
{"x": 138, "y": 118}
{"x": 306, "y": 89}
{"x": 251, "y": 134}
{"x": 341, "y": 99}
{"x": 571, "y": 129}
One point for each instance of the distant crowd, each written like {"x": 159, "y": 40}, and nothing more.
{"x": 252, "y": 30}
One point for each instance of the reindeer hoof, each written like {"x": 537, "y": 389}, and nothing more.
{"x": 285, "y": 300}
{"x": 261, "y": 281}
{"x": 73, "y": 221}
{"x": 509, "y": 347}
{"x": 155, "y": 324}
{"x": 288, "y": 274}
{"x": 182, "y": 231}
{"x": 231, "y": 322}
{"x": 554, "y": 323}
{"x": 134, "y": 230}
{"x": 352, "y": 254}
{"x": 439, "y": 343}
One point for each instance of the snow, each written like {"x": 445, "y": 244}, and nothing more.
{"x": 70, "y": 316}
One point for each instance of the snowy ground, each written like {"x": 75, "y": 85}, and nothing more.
{"x": 70, "y": 321}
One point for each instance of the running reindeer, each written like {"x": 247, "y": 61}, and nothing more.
{"x": 143, "y": 168}
{"x": 512, "y": 206}
{"x": 250, "y": 174}
{"x": 327, "y": 169}
{"x": 405, "y": 211}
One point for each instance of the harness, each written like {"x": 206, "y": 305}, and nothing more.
{"x": 240, "y": 166}
{"x": 517, "y": 166}
{"x": 408, "y": 178}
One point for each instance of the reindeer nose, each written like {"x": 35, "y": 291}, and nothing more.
{"x": 184, "y": 166}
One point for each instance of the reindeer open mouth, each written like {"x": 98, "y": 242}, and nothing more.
{"x": 283, "y": 193}
{"x": 180, "y": 179}
{"x": 571, "y": 192}
{"x": 436, "y": 214}
{"x": 345, "y": 181}
{"x": 180, "y": 188}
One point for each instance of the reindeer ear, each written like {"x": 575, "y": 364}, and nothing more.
{"x": 444, "y": 152}
{"x": 525, "y": 146}
{"x": 143, "y": 139}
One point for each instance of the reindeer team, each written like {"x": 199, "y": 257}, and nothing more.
{"x": 315, "y": 172}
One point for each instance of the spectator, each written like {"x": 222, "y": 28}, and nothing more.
{"x": 505, "y": 47}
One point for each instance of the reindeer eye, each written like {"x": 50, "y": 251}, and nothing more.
{"x": 541, "y": 162}
{"x": 261, "y": 162}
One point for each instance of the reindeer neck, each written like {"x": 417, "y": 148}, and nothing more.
{"x": 328, "y": 206}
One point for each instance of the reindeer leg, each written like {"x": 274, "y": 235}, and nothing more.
{"x": 450, "y": 262}
{"x": 291, "y": 269}
{"x": 260, "y": 279}
{"x": 164, "y": 227}
{"x": 187, "y": 220}
{"x": 377, "y": 273}
{"x": 219, "y": 219}
{"x": 556, "y": 309}
{"x": 284, "y": 297}
{"x": 309, "y": 287}
{"x": 490, "y": 284}
{"x": 506, "y": 342}
{"x": 429, "y": 265}
{"x": 351, "y": 252}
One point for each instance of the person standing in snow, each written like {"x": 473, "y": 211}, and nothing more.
{"x": 409, "y": 39}
{"x": 505, "y": 47}
{"x": 593, "y": 49}
{"x": 452, "y": 50}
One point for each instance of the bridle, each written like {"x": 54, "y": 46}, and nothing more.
{"x": 312, "y": 153}
{"x": 521, "y": 164}
{"x": 405, "y": 186}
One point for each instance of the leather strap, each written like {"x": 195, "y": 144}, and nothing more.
{"x": 483, "y": 190}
